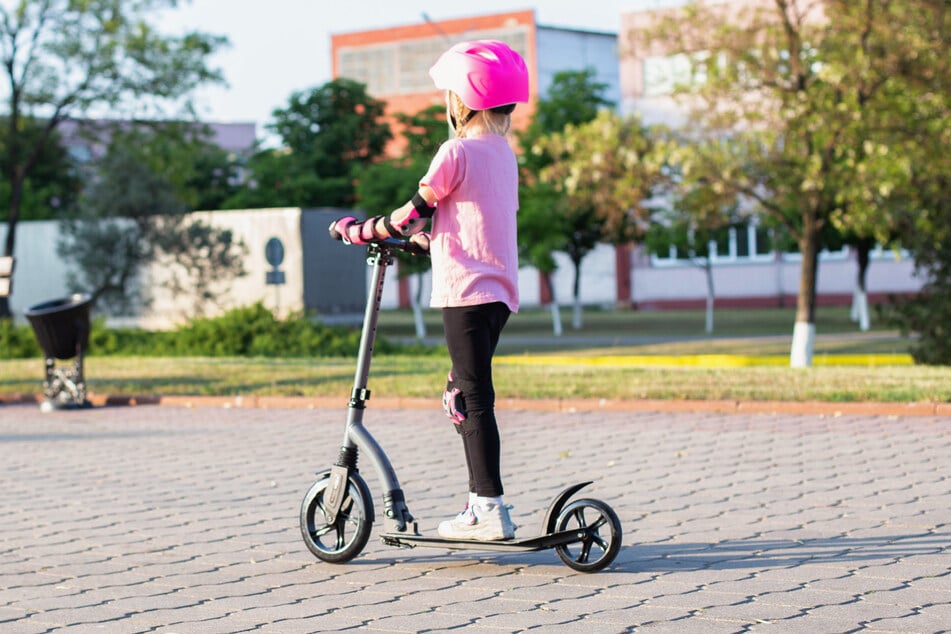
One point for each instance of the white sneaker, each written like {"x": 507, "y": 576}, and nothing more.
{"x": 483, "y": 521}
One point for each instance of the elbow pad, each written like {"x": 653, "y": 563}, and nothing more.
{"x": 415, "y": 220}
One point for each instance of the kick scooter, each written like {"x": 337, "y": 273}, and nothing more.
{"x": 337, "y": 511}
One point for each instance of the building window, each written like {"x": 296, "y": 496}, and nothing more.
{"x": 739, "y": 244}
{"x": 402, "y": 68}
{"x": 663, "y": 74}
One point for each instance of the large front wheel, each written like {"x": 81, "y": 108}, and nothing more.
{"x": 342, "y": 539}
{"x": 599, "y": 535}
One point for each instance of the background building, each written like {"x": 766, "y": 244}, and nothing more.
{"x": 394, "y": 62}
{"x": 747, "y": 270}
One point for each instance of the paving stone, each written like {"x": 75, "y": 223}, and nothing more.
{"x": 184, "y": 520}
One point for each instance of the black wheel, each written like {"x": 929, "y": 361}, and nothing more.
{"x": 343, "y": 539}
{"x": 600, "y": 535}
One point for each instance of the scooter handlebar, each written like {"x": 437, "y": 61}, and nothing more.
{"x": 412, "y": 247}
{"x": 408, "y": 246}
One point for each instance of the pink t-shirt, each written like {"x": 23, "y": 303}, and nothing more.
{"x": 474, "y": 250}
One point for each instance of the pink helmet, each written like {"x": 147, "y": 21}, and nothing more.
{"x": 484, "y": 73}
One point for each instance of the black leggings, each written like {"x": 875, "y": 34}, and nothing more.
{"x": 472, "y": 333}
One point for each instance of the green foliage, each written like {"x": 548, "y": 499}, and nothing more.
{"x": 52, "y": 186}
{"x": 542, "y": 225}
{"x": 424, "y": 132}
{"x": 573, "y": 98}
{"x": 608, "y": 168}
{"x": 200, "y": 172}
{"x": 386, "y": 185}
{"x": 927, "y": 316}
{"x": 254, "y": 331}
{"x": 700, "y": 211}
{"x": 132, "y": 214}
{"x": 547, "y": 220}
{"x": 17, "y": 342}
{"x": 328, "y": 134}
{"x": 250, "y": 331}
{"x": 926, "y": 231}
{"x": 812, "y": 111}
{"x": 109, "y": 239}
{"x": 64, "y": 59}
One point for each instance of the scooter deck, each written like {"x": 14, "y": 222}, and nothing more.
{"x": 540, "y": 542}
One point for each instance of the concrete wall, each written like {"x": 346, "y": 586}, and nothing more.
{"x": 332, "y": 279}
{"x": 326, "y": 276}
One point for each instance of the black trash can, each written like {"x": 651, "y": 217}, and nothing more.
{"x": 62, "y": 328}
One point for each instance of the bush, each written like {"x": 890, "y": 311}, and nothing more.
{"x": 243, "y": 332}
{"x": 17, "y": 342}
{"x": 253, "y": 331}
{"x": 926, "y": 317}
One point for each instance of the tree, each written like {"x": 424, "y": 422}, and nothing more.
{"x": 385, "y": 185}
{"x": 926, "y": 232}
{"x": 543, "y": 230}
{"x": 923, "y": 210}
{"x": 794, "y": 88}
{"x": 547, "y": 224}
{"x": 606, "y": 170}
{"x": 898, "y": 69}
{"x": 62, "y": 58}
{"x": 52, "y": 186}
{"x": 573, "y": 98}
{"x": 699, "y": 213}
{"x": 328, "y": 134}
{"x": 132, "y": 214}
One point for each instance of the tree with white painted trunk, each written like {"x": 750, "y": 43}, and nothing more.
{"x": 802, "y": 102}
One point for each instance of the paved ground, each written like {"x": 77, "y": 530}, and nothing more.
{"x": 173, "y": 519}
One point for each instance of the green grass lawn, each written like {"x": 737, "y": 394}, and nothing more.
{"x": 425, "y": 376}
{"x": 749, "y": 331}
{"x": 534, "y": 364}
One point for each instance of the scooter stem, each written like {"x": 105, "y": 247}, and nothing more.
{"x": 379, "y": 258}
{"x": 357, "y": 436}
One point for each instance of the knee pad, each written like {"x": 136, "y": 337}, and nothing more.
{"x": 453, "y": 402}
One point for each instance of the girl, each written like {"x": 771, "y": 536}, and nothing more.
{"x": 471, "y": 193}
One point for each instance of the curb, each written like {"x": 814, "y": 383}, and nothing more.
{"x": 705, "y": 360}
{"x": 819, "y": 408}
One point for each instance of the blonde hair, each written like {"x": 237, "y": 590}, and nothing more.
{"x": 477, "y": 120}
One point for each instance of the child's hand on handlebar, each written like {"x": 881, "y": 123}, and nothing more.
{"x": 350, "y": 231}
{"x": 421, "y": 240}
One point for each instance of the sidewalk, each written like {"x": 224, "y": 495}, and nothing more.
{"x": 823, "y": 408}
{"x": 185, "y": 519}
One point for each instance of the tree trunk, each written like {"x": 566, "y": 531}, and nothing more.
{"x": 708, "y": 271}
{"x": 576, "y": 318}
{"x": 10, "y": 243}
{"x": 804, "y": 331}
{"x": 860, "y": 296}
{"x": 16, "y": 197}
{"x": 555, "y": 314}
{"x": 417, "y": 308}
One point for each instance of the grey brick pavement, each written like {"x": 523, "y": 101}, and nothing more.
{"x": 177, "y": 520}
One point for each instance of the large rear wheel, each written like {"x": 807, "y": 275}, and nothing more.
{"x": 599, "y": 531}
